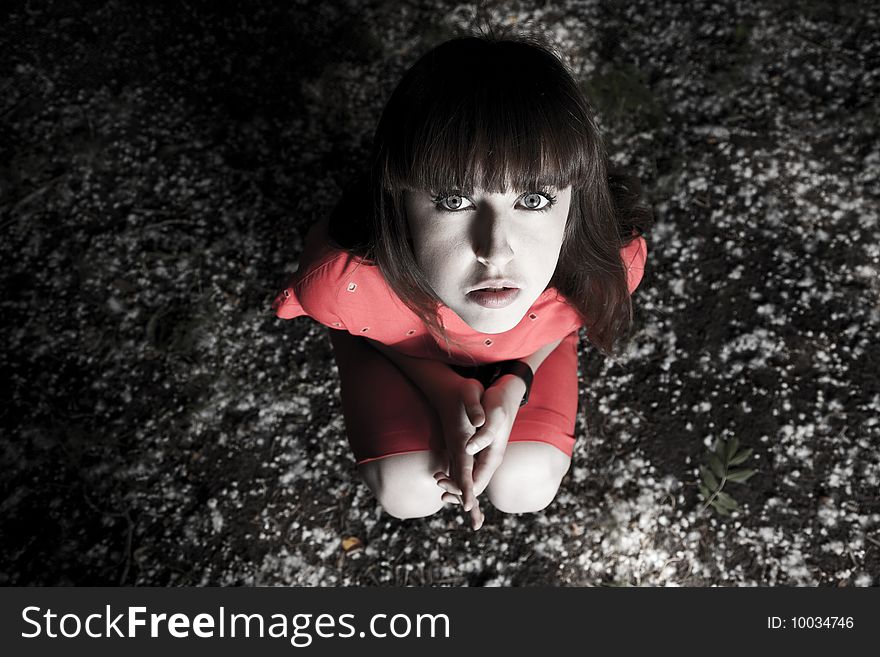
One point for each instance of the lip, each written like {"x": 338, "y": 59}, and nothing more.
{"x": 494, "y": 282}
{"x": 489, "y": 299}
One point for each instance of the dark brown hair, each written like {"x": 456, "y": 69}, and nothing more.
{"x": 499, "y": 113}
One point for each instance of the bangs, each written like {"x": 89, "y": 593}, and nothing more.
{"x": 498, "y": 116}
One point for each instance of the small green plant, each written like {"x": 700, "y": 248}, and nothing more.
{"x": 718, "y": 473}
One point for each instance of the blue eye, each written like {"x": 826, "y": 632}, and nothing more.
{"x": 450, "y": 202}
{"x": 533, "y": 201}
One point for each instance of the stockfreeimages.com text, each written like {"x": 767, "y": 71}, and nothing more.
{"x": 299, "y": 628}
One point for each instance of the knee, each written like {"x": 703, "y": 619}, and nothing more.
{"x": 403, "y": 492}
{"x": 408, "y": 497}
{"x": 527, "y": 493}
{"x": 526, "y": 483}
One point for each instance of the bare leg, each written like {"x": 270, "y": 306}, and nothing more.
{"x": 404, "y": 483}
{"x": 391, "y": 423}
{"x": 528, "y": 478}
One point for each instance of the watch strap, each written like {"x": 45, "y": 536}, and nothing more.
{"x": 517, "y": 368}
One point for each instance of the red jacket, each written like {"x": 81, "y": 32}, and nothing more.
{"x": 342, "y": 292}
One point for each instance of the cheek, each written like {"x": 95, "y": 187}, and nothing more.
{"x": 441, "y": 255}
{"x": 436, "y": 258}
{"x": 543, "y": 256}
{"x": 544, "y": 253}
{"x": 422, "y": 242}
{"x": 556, "y": 235}
{"x": 543, "y": 242}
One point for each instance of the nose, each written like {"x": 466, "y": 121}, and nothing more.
{"x": 493, "y": 247}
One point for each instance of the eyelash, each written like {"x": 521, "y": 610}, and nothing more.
{"x": 438, "y": 198}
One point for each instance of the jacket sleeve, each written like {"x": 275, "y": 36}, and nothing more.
{"x": 634, "y": 255}
{"x": 287, "y": 305}
{"x": 314, "y": 288}
{"x": 312, "y": 294}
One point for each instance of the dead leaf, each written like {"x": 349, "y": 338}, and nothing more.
{"x": 351, "y": 543}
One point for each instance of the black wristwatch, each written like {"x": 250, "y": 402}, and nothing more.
{"x": 517, "y": 368}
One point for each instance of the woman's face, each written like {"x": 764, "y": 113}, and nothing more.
{"x": 464, "y": 243}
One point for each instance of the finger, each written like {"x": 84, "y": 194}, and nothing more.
{"x": 473, "y": 407}
{"x": 450, "y": 498}
{"x": 466, "y": 481}
{"x": 488, "y": 433}
{"x": 441, "y": 475}
{"x": 480, "y": 523}
{"x": 476, "y": 415}
{"x": 449, "y": 481}
{"x": 480, "y": 441}
{"x": 449, "y": 486}
{"x": 469, "y": 498}
{"x": 458, "y": 480}
{"x": 484, "y": 469}
{"x": 477, "y": 517}
{"x": 481, "y": 483}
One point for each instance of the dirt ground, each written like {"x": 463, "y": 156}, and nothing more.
{"x": 159, "y": 169}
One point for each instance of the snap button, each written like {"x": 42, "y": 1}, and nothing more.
{"x": 352, "y": 287}
{"x": 533, "y": 316}
{"x": 286, "y": 294}
{"x": 365, "y": 329}
{"x": 488, "y": 342}
{"x": 336, "y": 324}
{"x": 411, "y": 331}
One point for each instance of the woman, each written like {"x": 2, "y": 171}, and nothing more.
{"x": 454, "y": 278}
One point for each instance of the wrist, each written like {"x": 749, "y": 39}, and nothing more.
{"x": 514, "y": 388}
{"x": 519, "y": 369}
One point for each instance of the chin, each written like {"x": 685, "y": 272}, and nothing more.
{"x": 493, "y": 325}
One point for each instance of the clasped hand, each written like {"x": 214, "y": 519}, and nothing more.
{"x": 476, "y": 427}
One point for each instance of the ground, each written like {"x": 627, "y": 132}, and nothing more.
{"x": 160, "y": 426}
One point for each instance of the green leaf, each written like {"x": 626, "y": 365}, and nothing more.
{"x": 719, "y": 449}
{"x": 742, "y": 456}
{"x": 732, "y": 446}
{"x": 708, "y": 477}
{"x": 740, "y": 476}
{"x": 705, "y": 492}
{"x": 727, "y": 501}
{"x": 716, "y": 465}
{"x": 720, "y": 509}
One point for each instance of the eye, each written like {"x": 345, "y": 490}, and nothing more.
{"x": 538, "y": 200}
{"x": 451, "y": 202}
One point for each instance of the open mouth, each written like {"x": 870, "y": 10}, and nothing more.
{"x": 494, "y": 297}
